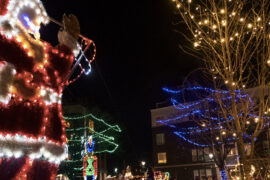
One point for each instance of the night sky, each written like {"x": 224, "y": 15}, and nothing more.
{"x": 137, "y": 55}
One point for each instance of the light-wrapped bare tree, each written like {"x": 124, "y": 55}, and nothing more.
{"x": 232, "y": 38}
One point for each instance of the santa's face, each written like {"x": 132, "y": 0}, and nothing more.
{"x": 29, "y": 20}
{"x": 27, "y": 14}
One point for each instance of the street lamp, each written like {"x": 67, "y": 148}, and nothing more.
{"x": 143, "y": 163}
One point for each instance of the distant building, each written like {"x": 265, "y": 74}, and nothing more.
{"x": 180, "y": 159}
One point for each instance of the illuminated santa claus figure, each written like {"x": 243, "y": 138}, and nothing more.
{"x": 32, "y": 75}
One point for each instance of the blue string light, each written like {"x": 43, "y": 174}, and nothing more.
{"x": 196, "y": 88}
{"x": 196, "y": 108}
{"x": 223, "y": 174}
{"x": 182, "y": 106}
{"x": 190, "y": 141}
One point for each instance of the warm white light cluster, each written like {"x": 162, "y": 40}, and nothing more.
{"x": 5, "y": 98}
{"x": 17, "y": 146}
{"x": 15, "y": 6}
{"x": 50, "y": 96}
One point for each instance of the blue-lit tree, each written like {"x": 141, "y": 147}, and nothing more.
{"x": 212, "y": 125}
{"x": 232, "y": 38}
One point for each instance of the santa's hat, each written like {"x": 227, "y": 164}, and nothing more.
{"x": 3, "y": 7}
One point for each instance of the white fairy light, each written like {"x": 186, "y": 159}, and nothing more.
{"x": 196, "y": 44}
{"x": 222, "y": 11}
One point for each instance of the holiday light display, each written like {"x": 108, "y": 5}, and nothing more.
{"x": 231, "y": 38}
{"x": 32, "y": 77}
{"x": 103, "y": 137}
{"x": 84, "y": 141}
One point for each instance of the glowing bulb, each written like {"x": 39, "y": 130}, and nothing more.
{"x": 249, "y": 26}
{"x": 234, "y": 134}
{"x": 42, "y": 92}
{"x": 196, "y": 44}
{"x": 24, "y": 45}
{"x": 224, "y": 23}
{"x": 259, "y": 19}
{"x": 222, "y": 11}
{"x": 178, "y": 5}
{"x": 214, "y": 26}
{"x": 206, "y": 21}
{"x": 217, "y": 138}
{"x": 226, "y": 82}
{"x": 236, "y": 34}
{"x": 189, "y": 1}
{"x": 19, "y": 39}
{"x": 256, "y": 119}
{"x": 248, "y": 122}
{"x": 233, "y": 13}
{"x": 241, "y": 19}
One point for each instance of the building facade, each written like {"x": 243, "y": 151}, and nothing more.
{"x": 181, "y": 159}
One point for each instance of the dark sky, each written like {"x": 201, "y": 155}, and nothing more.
{"x": 137, "y": 54}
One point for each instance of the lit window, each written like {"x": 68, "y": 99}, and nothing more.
{"x": 196, "y": 174}
{"x": 200, "y": 155}
{"x": 206, "y": 154}
{"x": 194, "y": 155}
{"x": 209, "y": 173}
{"x": 202, "y": 173}
{"x": 162, "y": 158}
{"x": 160, "y": 139}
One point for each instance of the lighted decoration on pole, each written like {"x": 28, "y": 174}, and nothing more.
{"x": 32, "y": 77}
{"x": 81, "y": 133}
{"x": 90, "y": 161}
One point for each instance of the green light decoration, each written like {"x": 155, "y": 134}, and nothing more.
{"x": 115, "y": 127}
{"x": 100, "y": 137}
{"x": 90, "y": 170}
{"x": 103, "y": 133}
